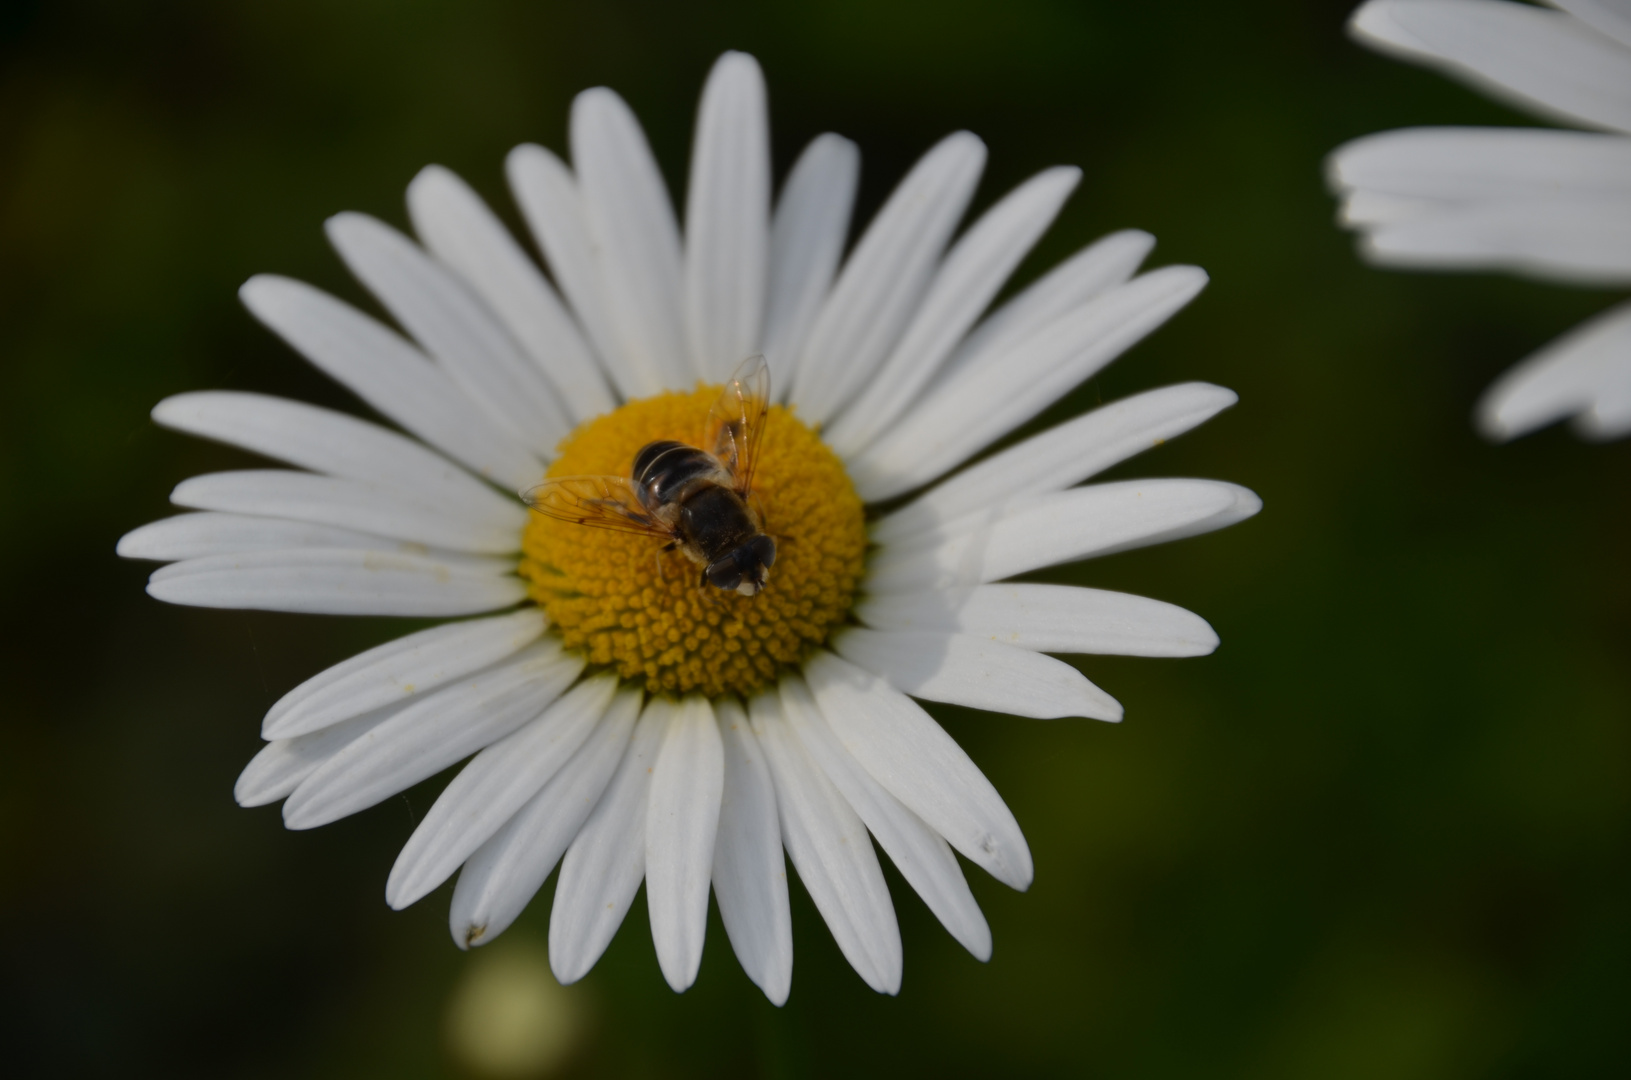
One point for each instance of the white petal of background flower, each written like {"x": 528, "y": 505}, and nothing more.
{"x": 1585, "y": 374}
{"x": 1609, "y": 17}
{"x": 502, "y": 876}
{"x": 1449, "y": 165}
{"x": 1583, "y": 242}
{"x": 1550, "y": 204}
{"x": 458, "y": 228}
{"x": 727, "y": 219}
{"x": 807, "y": 237}
{"x": 750, "y": 877}
{"x": 829, "y": 847}
{"x": 1544, "y": 61}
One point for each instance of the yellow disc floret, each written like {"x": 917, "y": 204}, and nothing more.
{"x": 630, "y": 606}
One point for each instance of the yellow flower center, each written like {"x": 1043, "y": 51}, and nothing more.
{"x": 628, "y": 605}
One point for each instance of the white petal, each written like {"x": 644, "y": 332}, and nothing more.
{"x": 976, "y": 672}
{"x": 1610, "y": 17}
{"x": 1579, "y": 241}
{"x": 919, "y": 764}
{"x": 631, "y": 223}
{"x": 329, "y": 442}
{"x": 806, "y": 241}
{"x": 454, "y": 327}
{"x": 503, "y": 875}
{"x": 332, "y": 581}
{"x": 399, "y": 670}
{"x": 829, "y": 847}
{"x": 1048, "y": 618}
{"x": 1542, "y": 60}
{"x": 1097, "y": 268}
{"x": 281, "y": 765}
{"x": 192, "y": 536}
{"x": 750, "y": 878}
{"x": 921, "y": 854}
{"x": 432, "y": 733}
{"x": 973, "y": 270}
{"x": 1363, "y": 209}
{"x": 1046, "y": 530}
{"x": 682, "y": 820}
{"x": 727, "y": 219}
{"x": 209, "y": 533}
{"x": 1060, "y": 457}
{"x": 982, "y": 403}
{"x": 346, "y": 504}
{"x": 1585, "y": 374}
{"x": 1610, "y": 415}
{"x": 602, "y": 869}
{"x": 389, "y": 374}
{"x": 885, "y": 277}
{"x": 549, "y": 199}
{"x": 497, "y": 783}
{"x": 458, "y": 228}
{"x": 1471, "y": 164}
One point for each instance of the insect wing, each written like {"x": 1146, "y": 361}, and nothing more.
{"x": 736, "y": 423}
{"x": 601, "y": 502}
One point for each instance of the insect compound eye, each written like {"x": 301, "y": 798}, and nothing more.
{"x": 725, "y": 574}
{"x": 762, "y": 548}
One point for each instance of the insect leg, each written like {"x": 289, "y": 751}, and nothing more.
{"x": 758, "y": 505}
{"x": 713, "y": 597}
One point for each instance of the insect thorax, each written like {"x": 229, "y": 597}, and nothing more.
{"x": 716, "y": 520}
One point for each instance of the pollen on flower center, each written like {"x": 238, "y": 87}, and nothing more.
{"x": 630, "y": 606}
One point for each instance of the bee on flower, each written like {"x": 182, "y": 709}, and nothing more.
{"x": 692, "y": 648}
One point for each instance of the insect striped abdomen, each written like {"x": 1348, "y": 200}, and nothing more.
{"x": 666, "y": 471}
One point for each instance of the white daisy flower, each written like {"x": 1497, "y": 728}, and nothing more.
{"x": 1551, "y": 204}
{"x": 619, "y": 720}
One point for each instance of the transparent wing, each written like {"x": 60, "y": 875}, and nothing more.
{"x": 736, "y": 423}
{"x": 601, "y": 502}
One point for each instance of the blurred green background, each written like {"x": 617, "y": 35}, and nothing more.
{"x": 1383, "y": 831}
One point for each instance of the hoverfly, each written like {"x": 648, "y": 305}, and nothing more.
{"x": 698, "y": 501}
